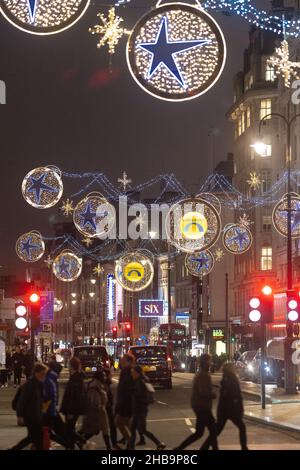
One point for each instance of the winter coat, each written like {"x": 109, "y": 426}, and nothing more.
{"x": 96, "y": 420}
{"x": 28, "y": 363}
{"x": 50, "y": 394}
{"x": 30, "y": 403}
{"x": 140, "y": 397}
{"x": 17, "y": 360}
{"x": 74, "y": 399}
{"x": 202, "y": 392}
{"x": 231, "y": 400}
{"x": 124, "y": 393}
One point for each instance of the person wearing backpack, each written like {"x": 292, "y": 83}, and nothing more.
{"x": 142, "y": 396}
{"x": 74, "y": 403}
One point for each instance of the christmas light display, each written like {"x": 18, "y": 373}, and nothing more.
{"x": 254, "y": 181}
{"x": 199, "y": 264}
{"x": 176, "y": 52}
{"x": 193, "y": 225}
{"x": 94, "y": 216}
{"x": 30, "y": 247}
{"x": 42, "y": 187}
{"x": 282, "y": 64}
{"x": 219, "y": 254}
{"x": 67, "y": 207}
{"x": 43, "y": 16}
{"x": 67, "y": 266}
{"x": 134, "y": 271}
{"x": 280, "y": 216}
{"x": 109, "y": 30}
{"x": 98, "y": 270}
{"x": 125, "y": 181}
{"x": 237, "y": 239}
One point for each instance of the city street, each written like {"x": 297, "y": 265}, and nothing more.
{"x": 171, "y": 419}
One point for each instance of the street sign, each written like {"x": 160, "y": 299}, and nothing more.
{"x": 151, "y": 308}
{"x": 47, "y": 306}
{"x": 47, "y": 327}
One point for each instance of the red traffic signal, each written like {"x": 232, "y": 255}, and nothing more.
{"x": 262, "y": 306}
{"x": 114, "y": 332}
{"x": 21, "y": 316}
{"x": 33, "y": 299}
{"x": 293, "y": 304}
{"x": 128, "y": 326}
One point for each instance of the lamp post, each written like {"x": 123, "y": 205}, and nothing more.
{"x": 290, "y": 372}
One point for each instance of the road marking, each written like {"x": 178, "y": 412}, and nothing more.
{"x": 193, "y": 430}
{"x": 165, "y": 419}
{"x": 161, "y": 403}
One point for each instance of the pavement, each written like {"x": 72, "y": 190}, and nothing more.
{"x": 172, "y": 419}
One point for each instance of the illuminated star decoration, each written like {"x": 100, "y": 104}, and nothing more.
{"x": 254, "y": 181}
{"x": 125, "y": 181}
{"x": 245, "y": 220}
{"x": 87, "y": 241}
{"x": 32, "y": 6}
{"x": 64, "y": 267}
{"x": 202, "y": 261}
{"x": 38, "y": 185}
{"x": 219, "y": 254}
{"x": 164, "y": 52}
{"x": 89, "y": 216}
{"x": 241, "y": 237}
{"x": 48, "y": 261}
{"x": 28, "y": 246}
{"x": 98, "y": 270}
{"x": 282, "y": 64}
{"x": 110, "y": 30}
{"x": 67, "y": 207}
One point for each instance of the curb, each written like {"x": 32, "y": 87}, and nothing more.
{"x": 272, "y": 424}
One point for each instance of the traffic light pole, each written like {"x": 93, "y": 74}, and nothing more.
{"x": 262, "y": 364}
{"x": 32, "y": 336}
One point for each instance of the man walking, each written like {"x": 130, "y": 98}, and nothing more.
{"x": 124, "y": 397}
{"x": 17, "y": 363}
{"x": 201, "y": 401}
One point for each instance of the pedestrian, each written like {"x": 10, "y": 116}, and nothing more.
{"x": 30, "y": 408}
{"x": 17, "y": 362}
{"x": 110, "y": 409}
{"x": 74, "y": 403}
{"x": 53, "y": 425}
{"x": 123, "y": 409}
{"x": 55, "y": 365}
{"x": 201, "y": 401}
{"x": 95, "y": 420}
{"x": 8, "y": 365}
{"x": 140, "y": 403}
{"x": 28, "y": 363}
{"x": 230, "y": 406}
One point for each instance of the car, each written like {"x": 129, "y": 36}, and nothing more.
{"x": 178, "y": 365}
{"x": 91, "y": 357}
{"x": 271, "y": 369}
{"x": 244, "y": 365}
{"x": 155, "y": 363}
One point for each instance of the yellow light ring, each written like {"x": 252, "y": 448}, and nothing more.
{"x": 134, "y": 272}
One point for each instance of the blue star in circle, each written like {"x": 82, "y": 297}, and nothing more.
{"x": 38, "y": 185}
{"x": 202, "y": 262}
{"x": 27, "y": 246}
{"x": 64, "y": 267}
{"x": 89, "y": 217}
{"x": 241, "y": 237}
{"x": 32, "y": 6}
{"x": 164, "y": 52}
{"x": 296, "y": 217}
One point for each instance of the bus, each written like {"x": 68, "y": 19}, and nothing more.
{"x": 173, "y": 335}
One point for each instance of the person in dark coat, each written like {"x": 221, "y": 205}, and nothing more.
{"x": 74, "y": 402}
{"x": 28, "y": 364}
{"x": 110, "y": 409}
{"x": 51, "y": 418}
{"x": 54, "y": 365}
{"x": 201, "y": 401}
{"x": 230, "y": 406}
{"x": 123, "y": 409}
{"x": 140, "y": 409}
{"x": 18, "y": 363}
{"x": 30, "y": 408}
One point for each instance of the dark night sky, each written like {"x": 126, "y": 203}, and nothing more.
{"x": 64, "y": 108}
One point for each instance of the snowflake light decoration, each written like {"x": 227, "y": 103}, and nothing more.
{"x": 219, "y": 254}
{"x": 245, "y": 220}
{"x": 48, "y": 262}
{"x": 98, "y": 270}
{"x": 125, "y": 181}
{"x": 110, "y": 30}
{"x": 87, "y": 241}
{"x": 254, "y": 181}
{"x": 282, "y": 64}
{"x": 67, "y": 207}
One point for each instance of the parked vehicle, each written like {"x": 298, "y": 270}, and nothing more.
{"x": 92, "y": 357}
{"x": 271, "y": 369}
{"x": 155, "y": 363}
{"x": 244, "y": 365}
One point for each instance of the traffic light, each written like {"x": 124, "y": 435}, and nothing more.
{"x": 292, "y": 304}
{"x": 21, "y": 316}
{"x": 114, "y": 332}
{"x": 262, "y": 306}
{"x": 128, "y": 327}
{"x": 34, "y": 302}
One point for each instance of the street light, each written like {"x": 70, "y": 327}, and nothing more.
{"x": 92, "y": 294}
{"x": 260, "y": 148}
{"x": 93, "y": 281}
{"x": 73, "y": 295}
{"x": 290, "y": 376}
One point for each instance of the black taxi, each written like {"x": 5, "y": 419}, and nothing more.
{"x": 155, "y": 363}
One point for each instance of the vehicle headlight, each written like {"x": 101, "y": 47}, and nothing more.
{"x": 267, "y": 369}
{"x": 182, "y": 366}
{"x": 250, "y": 367}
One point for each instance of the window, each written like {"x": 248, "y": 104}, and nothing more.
{"x": 248, "y": 117}
{"x": 266, "y": 258}
{"x": 267, "y": 223}
{"x": 265, "y": 108}
{"x": 241, "y": 124}
{"x": 266, "y": 180}
{"x": 270, "y": 73}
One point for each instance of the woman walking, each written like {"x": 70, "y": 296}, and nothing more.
{"x": 230, "y": 406}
